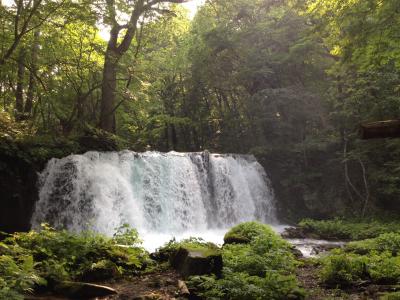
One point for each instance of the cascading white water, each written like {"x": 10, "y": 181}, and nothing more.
{"x": 154, "y": 192}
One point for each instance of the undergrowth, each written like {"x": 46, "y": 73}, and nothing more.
{"x": 372, "y": 260}
{"x": 262, "y": 268}
{"x": 49, "y": 256}
{"x": 347, "y": 229}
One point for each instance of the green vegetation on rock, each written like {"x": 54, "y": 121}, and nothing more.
{"x": 263, "y": 268}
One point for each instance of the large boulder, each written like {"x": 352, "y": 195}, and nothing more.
{"x": 191, "y": 262}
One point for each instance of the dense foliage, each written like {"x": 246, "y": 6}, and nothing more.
{"x": 49, "y": 257}
{"x": 261, "y": 269}
{"x": 287, "y": 80}
{"x": 341, "y": 229}
{"x": 374, "y": 260}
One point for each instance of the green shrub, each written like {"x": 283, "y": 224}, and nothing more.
{"x": 17, "y": 276}
{"x": 385, "y": 242}
{"x": 238, "y": 286}
{"x": 343, "y": 269}
{"x": 384, "y": 268}
{"x": 50, "y": 256}
{"x": 374, "y": 260}
{"x": 258, "y": 269}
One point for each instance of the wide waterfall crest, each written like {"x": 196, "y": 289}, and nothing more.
{"x": 153, "y": 191}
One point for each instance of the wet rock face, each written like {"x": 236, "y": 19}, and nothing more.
{"x": 18, "y": 193}
{"x": 196, "y": 262}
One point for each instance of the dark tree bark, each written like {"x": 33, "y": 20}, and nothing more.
{"x": 382, "y": 129}
{"x": 32, "y": 80}
{"x": 108, "y": 91}
{"x": 19, "y": 93}
{"x": 115, "y": 52}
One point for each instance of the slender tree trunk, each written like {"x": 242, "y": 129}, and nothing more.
{"x": 32, "y": 82}
{"x": 366, "y": 185}
{"x": 115, "y": 51}
{"x": 19, "y": 93}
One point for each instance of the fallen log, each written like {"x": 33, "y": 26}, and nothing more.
{"x": 381, "y": 129}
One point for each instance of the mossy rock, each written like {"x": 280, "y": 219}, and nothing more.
{"x": 246, "y": 232}
{"x": 197, "y": 261}
{"x": 102, "y": 270}
{"x": 162, "y": 254}
{"x": 236, "y": 239}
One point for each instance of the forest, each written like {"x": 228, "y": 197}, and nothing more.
{"x": 291, "y": 83}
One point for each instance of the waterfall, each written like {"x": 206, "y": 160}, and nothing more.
{"x": 153, "y": 192}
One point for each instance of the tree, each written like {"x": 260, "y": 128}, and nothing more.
{"x": 115, "y": 51}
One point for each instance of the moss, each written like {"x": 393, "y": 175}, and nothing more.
{"x": 191, "y": 244}
{"x": 247, "y": 232}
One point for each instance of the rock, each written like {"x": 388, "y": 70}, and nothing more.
{"x": 294, "y": 233}
{"x": 148, "y": 297}
{"x": 161, "y": 255}
{"x": 102, "y": 270}
{"x": 81, "y": 290}
{"x": 183, "y": 289}
{"x": 197, "y": 261}
{"x": 318, "y": 249}
{"x": 170, "y": 281}
{"x": 296, "y": 252}
{"x": 236, "y": 239}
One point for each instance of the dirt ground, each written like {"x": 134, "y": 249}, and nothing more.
{"x": 155, "y": 286}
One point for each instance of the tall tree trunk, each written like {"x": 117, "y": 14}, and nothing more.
{"x": 115, "y": 51}
{"x": 32, "y": 82}
{"x": 19, "y": 93}
{"x": 108, "y": 89}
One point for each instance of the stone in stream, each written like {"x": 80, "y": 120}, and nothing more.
{"x": 197, "y": 261}
{"x": 318, "y": 249}
{"x": 296, "y": 252}
{"x": 81, "y": 290}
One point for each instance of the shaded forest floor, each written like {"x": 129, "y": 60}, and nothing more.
{"x": 307, "y": 275}
{"x": 161, "y": 285}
